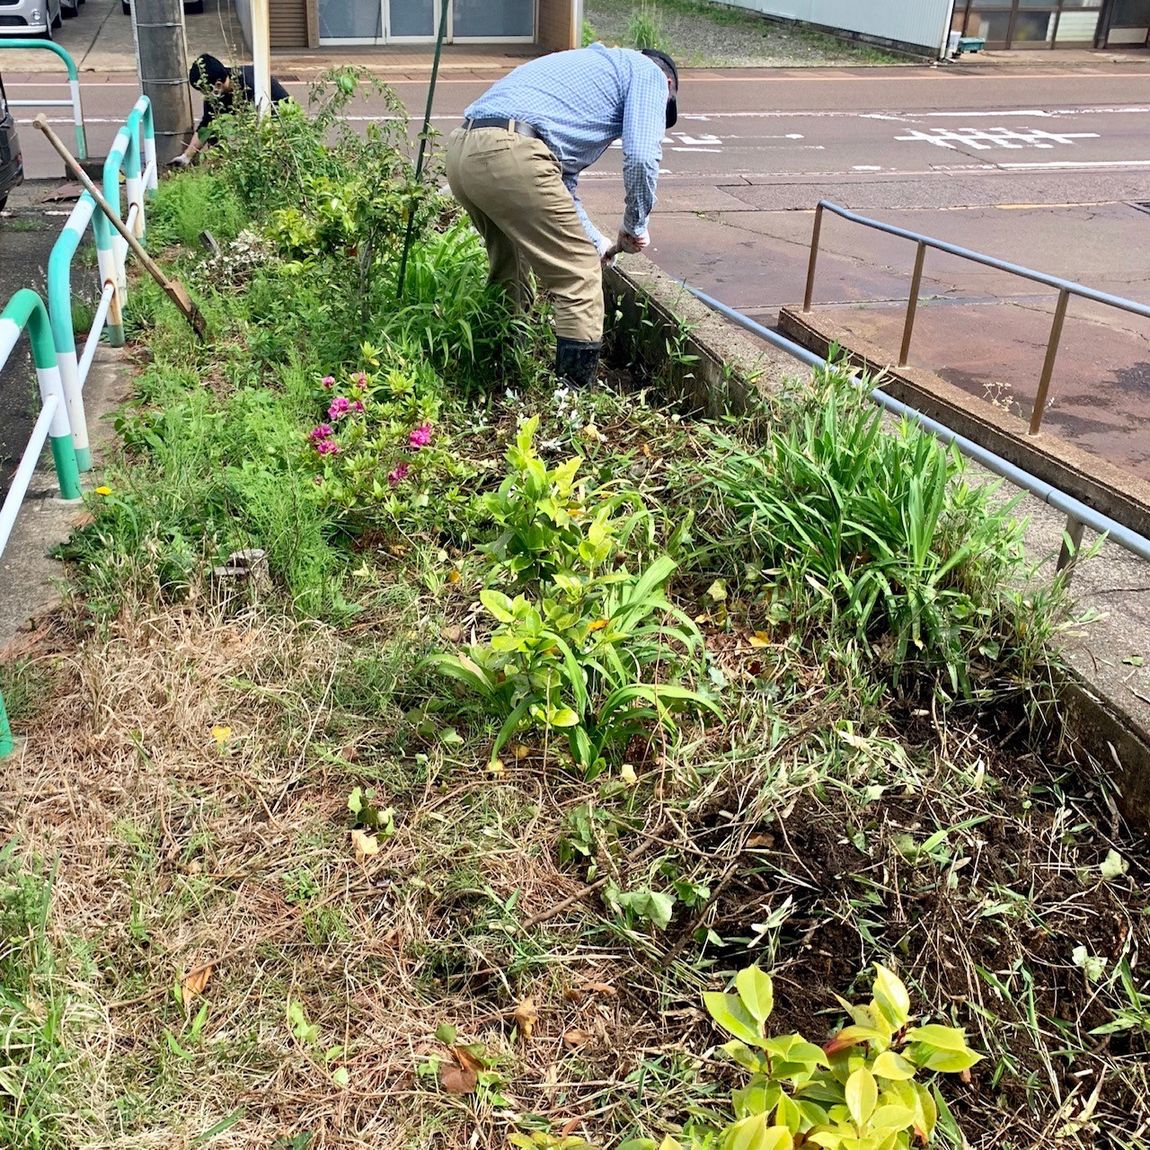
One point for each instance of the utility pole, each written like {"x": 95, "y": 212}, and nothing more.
{"x": 262, "y": 55}
{"x": 162, "y": 62}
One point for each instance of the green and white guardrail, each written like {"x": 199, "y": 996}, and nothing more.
{"x": 60, "y": 372}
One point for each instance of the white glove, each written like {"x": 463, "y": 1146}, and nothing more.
{"x": 180, "y": 161}
{"x": 632, "y": 244}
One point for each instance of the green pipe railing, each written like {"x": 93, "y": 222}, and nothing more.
{"x": 73, "y": 87}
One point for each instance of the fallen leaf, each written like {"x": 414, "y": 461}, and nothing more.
{"x": 591, "y": 434}
{"x": 645, "y": 450}
{"x": 717, "y": 590}
{"x": 457, "y": 1079}
{"x": 760, "y": 639}
{"x": 365, "y": 845}
{"x": 467, "y": 1059}
{"x": 452, "y": 634}
{"x": 604, "y": 988}
{"x": 573, "y": 1039}
{"x": 496, "y": 769}
{"x": 525, "y": 1016}
{"x": 627, "y": 774}
{"x": 221, "y": 735}
{"x": 453, "y": 576}
{"x": 596, "y": 625}
{"x": 760, "y": 842}
{"x": 520, "y": 750}
{"x": 195, "y": 981}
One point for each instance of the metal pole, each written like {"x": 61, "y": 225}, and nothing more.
{"x": 262, "y": 55}
{"x": 810, "y": 291}
{"x": 162, "y": 60}
{"x": 401, "y": 281}
{"x": 1048, "y": 363}
{"x": 912, "y": 304}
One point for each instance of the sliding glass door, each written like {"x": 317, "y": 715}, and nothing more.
{"x": 415, "y": 21}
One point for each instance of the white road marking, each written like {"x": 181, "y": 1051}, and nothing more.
{"x": 1081, "y": 164}
{"x": 984, "y": 140}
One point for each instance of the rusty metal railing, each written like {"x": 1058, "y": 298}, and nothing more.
{"x": 1066, "y": 289}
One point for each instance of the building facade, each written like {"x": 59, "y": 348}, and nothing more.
{"x": 1046, "y": 24}
{"x": 550, "y": 24}
{"x": 924, "y": 25}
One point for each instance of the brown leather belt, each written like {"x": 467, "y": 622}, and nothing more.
{"x": 519, "y": 126}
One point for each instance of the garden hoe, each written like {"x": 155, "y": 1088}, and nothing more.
{"x": 174, "y": 290}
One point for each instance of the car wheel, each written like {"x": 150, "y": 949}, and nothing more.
{"x": 196, "y": 8}
{"x": 70, "y": 13}
{"x": 125, "y": 7}
{"x": 3, "y": 201}
{"x": 47, "y": 33}
{"x": 59, "y": 20}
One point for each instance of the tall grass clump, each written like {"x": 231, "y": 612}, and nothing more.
{"x": 874, "y": 537}
{"x": 645, "y": 29}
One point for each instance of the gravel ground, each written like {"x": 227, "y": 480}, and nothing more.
{"x": 702, "y": 37}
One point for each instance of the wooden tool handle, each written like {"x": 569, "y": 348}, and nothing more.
{"x": 174, "y": 289}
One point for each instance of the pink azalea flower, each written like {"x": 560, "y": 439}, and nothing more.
{"x": 327, "y": 447}
{"x": 361, "y": 379}
{"x": 398, "y": 474}
{"x": 321, "y": 432}
{"x": 357, "y": 405}
{"x": 341, "y": 405}
{"x": 421, "y": 436}
{"x": 328, "y": 381}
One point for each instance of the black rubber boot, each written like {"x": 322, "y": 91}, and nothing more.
{"x": 576, "y": 361}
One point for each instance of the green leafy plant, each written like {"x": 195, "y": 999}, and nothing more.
{"x": 583, "y": 664}
{"x": 861, "y": 1091}
{"x": 550, "y": 529}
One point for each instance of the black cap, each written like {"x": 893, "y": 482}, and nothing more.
{"x": 668, "y": 65}
{"x": 206, "y": 71}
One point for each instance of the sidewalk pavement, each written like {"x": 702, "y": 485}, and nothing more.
{"x": 100, "y": 40}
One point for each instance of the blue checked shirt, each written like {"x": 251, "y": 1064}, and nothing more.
{"x": 580, "y": 102}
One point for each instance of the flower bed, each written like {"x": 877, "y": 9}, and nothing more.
{"x": 562, "y": 712}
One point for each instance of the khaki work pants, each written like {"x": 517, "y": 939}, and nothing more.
{"x": 512, "y": 188}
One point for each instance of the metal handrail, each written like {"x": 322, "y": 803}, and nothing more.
{"x": 1078, "y": 514}
{"x": 1066, "y": 288}
{"x": 73, "y": 86}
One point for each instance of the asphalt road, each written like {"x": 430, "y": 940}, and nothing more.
{"x": 1037, "y": 164}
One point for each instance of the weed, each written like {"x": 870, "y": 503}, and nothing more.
{"x": 643, "y": 30}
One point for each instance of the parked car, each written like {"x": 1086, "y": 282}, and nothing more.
{"x": 30, "y": 17}
{"x": 191, "y": 7}
{"x": 69, "y": 8}
{"x": 11, "y": 158}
